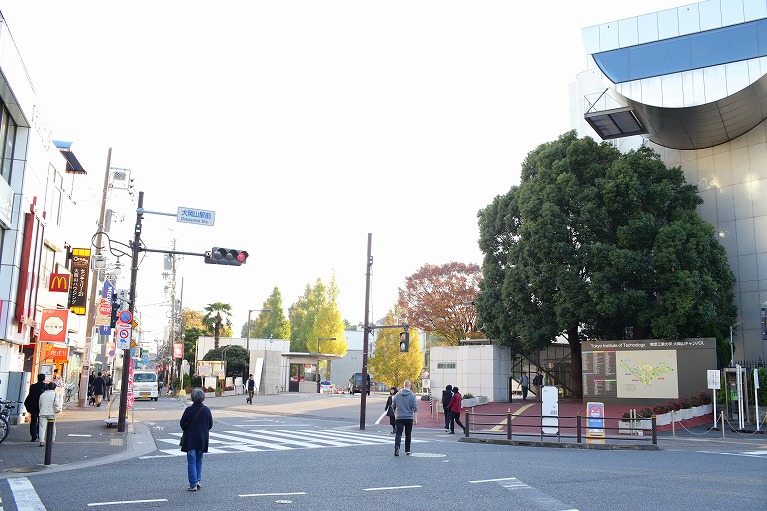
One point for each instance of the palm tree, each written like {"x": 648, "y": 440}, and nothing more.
{"x": 217, "y": 315}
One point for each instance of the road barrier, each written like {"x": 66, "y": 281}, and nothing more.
{"x": 567, "y": 428}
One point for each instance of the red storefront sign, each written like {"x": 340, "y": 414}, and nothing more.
{"x": 54, "y": 353}
{"x": 54, "y": 325}
{"x": 59, "y": 283}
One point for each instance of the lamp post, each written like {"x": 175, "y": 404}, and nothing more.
{"x": 247, "y": 342}
{"x": 732, "y": 349}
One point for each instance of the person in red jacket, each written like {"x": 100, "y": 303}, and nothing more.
{"x": 455, "y": 411}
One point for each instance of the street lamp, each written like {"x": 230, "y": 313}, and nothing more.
{"x": 223, "y": 357}
{"x": 323, "y": 339}
{"x": 247, "y": 342}
{"x": 732, "y": 350}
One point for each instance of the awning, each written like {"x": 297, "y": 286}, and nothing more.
{"x": 73, "y": 164}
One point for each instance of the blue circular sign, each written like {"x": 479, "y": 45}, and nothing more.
{"x": 126, "y": 316}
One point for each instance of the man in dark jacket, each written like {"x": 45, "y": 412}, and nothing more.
{"x": 98, "y": 388}
{"x": 32, "y": 404}
{"x": 447, "y": 395}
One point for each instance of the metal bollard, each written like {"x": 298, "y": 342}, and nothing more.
{"x": 578, "y": 428}
{"x": 508, "y": 424}
{"x": 654, "y": 430}
{"x": 48, "y": 441}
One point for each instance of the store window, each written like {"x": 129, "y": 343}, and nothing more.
{"x": 8, "y": 139}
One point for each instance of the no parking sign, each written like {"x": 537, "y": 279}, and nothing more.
{"x": 123, "y": 335}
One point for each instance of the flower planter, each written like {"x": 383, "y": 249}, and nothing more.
{"x": 481, "y": 400}
{"x": 468, "y": 403}
{"x": 663, "y": 419}
{"x": 709, "y": 408}
{"x": 210, "y": 394}
{"x": 229, "y": 392}
{"x": 686, "y": 413}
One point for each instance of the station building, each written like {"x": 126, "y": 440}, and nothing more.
{"x": 690, "y": 83}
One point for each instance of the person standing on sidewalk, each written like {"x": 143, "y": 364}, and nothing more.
{"x": 447, "y": 395}
{"x": 390, "y": 409}
{"x": 538, "y": 383}
{"x": 50, "y": 405}
{"x": 455, "y": 411}
{"x": 196, "y": 423}
{"x": 250, "y": 385}
{"x": 524, "y": 382}
{"x": 405, "y": 405}
{"x": 32, "y": 404}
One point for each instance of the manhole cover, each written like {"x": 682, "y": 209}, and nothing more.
{"x": 427, "y": 455}
{"x": 24, "y": 470}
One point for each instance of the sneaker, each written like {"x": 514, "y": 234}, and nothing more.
{"x": 447, "y": 430}
{"x": 199, "y": 485}
{"x": 407, "y": 452}
{"x": 192, "y": 488}
{"x": 396, "y": 451}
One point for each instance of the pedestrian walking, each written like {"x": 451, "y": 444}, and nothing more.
{"x": 196, "y": 423}
{"x": 109, "y": 382}
{"x": 99, "y": 384}
{"x": 405, "y": 405}
{"x": 91, "y": 397}
{"x": 50, "y": 405}
{"x": 538, "y": 383}
{"x": 447, "y": 395}
{"x": 32, "y": 404}
{"x": 455, "y": 411}
{"x": 250, "y": 385}
{"x": 390, "y": 409}
{"x": 59, "y": 381}
{"x": 524, "y": 382}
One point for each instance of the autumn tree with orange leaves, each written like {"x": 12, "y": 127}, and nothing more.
{"x": 440, "y": 300}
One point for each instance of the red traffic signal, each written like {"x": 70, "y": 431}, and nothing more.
{"x": 229, "y": 256}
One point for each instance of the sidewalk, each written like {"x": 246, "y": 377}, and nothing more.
{"x": 82, "y": 438}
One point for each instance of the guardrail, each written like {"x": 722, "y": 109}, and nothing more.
{"x": 535, "y": 426}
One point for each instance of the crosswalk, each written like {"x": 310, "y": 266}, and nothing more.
{"x": 748, "y": 454}
{"x": 255, "y": 440}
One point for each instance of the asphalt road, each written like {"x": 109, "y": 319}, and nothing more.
{"x": 308, "y": 452}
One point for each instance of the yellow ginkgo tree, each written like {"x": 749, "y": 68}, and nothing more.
{"x": 390, "y": 366}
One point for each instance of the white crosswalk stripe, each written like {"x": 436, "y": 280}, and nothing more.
{"x": 255, "y": 440}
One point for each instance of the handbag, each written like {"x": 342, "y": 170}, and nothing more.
{"x": 181, "y": 440}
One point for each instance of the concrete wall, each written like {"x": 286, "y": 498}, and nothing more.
{"x": 480, "y": 370}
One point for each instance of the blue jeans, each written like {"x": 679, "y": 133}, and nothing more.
{"x": 194, "y": 466}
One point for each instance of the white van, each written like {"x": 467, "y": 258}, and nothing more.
{"x": 145, "y": 385}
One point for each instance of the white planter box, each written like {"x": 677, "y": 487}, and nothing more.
{"x": 481, "y": 400}
{"x": 468, "y": 403}
{"x": 709, "y": 408}
{"x": 698, "y": 411}
{"x": 686, "y": 413}
{"x": 210, "y": 394}
{"x": 663, "y": 419}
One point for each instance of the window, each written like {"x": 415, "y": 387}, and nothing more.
{"x": 445, "y": 365}
{"x": 54, "y": 195}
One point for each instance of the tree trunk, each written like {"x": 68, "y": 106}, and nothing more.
{"x": 217, "y": 331}
{"x": 576, "y": 377}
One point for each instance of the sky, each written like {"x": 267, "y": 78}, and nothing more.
{"x": 305, "y": 125}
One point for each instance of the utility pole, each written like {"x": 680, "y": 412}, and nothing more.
{"x": 363, "y": 400}
{"x": 135, "y": 247}
{"x": 82, "y": 400}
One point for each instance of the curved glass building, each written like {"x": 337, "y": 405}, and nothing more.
{"x": 691, "y": 82}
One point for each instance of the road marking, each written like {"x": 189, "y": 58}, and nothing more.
{"x": 531, "y": 495}
{"x": 755, "y": 454}
{"x": 24, "y": 494}
{"x": 118, "y": 502}
{"x": 514, "y": 415}
{"x": 494, "y": 480}
{"x": 75, "y": 434}
{"x": 272, "y": 494}
{"x": 383, "y": 488}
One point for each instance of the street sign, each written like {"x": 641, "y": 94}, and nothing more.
{"x": 125, "y": 317}
{"x": 195, "y": 216}
{"x": 123, "y": 336}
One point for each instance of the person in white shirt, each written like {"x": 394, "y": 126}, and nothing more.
{"x": 50, "y": 405}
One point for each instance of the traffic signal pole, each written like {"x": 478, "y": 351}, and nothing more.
{"x": 135, "y": 247}
{"x": 365, "y": 335}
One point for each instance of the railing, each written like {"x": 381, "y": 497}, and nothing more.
{"x": 534, "y": 426}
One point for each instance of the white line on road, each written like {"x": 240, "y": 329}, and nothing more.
{"x": 272, "y": 494}
{"x": 24, "y": 494}
{"x": 75, "y": 434}
{"x": 392, "y": 488}
{"x": 117, "y": 502}
{"x": 494, "y": 480}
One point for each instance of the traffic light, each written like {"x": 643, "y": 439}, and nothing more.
{"x": 115, "y": 310}
{"x": 404, "y": 341}
{"x": 230, "y": 256}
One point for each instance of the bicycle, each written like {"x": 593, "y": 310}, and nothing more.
{"x": 5, "y": 417}
{"x": 70, "y": 393}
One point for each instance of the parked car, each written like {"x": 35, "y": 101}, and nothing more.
{"x": 326, "y": 387}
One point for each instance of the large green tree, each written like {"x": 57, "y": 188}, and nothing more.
{"x": 596, "y": 244}
{"x": 218, "y": 320}
{"x": 270, "y": 324}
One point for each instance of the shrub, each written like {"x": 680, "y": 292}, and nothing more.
{"x": 660, "y": 409}
{"x": 696, "y": 401}
{"x": 705, "y": 398}
{"x": 468, "y": 395}
{"x": 646, "y": 413}
{"x": 209, "y": 389}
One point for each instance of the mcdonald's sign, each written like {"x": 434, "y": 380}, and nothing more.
{"x": 59, "y": 283}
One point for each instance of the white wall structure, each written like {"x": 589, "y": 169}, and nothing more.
{"x": 690, "y": 83}
{"x": 482, "y": 370}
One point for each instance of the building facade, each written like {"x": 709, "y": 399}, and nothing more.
{"x": 690, "y": 83}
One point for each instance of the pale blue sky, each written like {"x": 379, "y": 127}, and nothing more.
{"x": 305, "y": 125}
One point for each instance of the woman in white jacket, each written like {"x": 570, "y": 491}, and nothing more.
{"x": 50, "y": 405}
